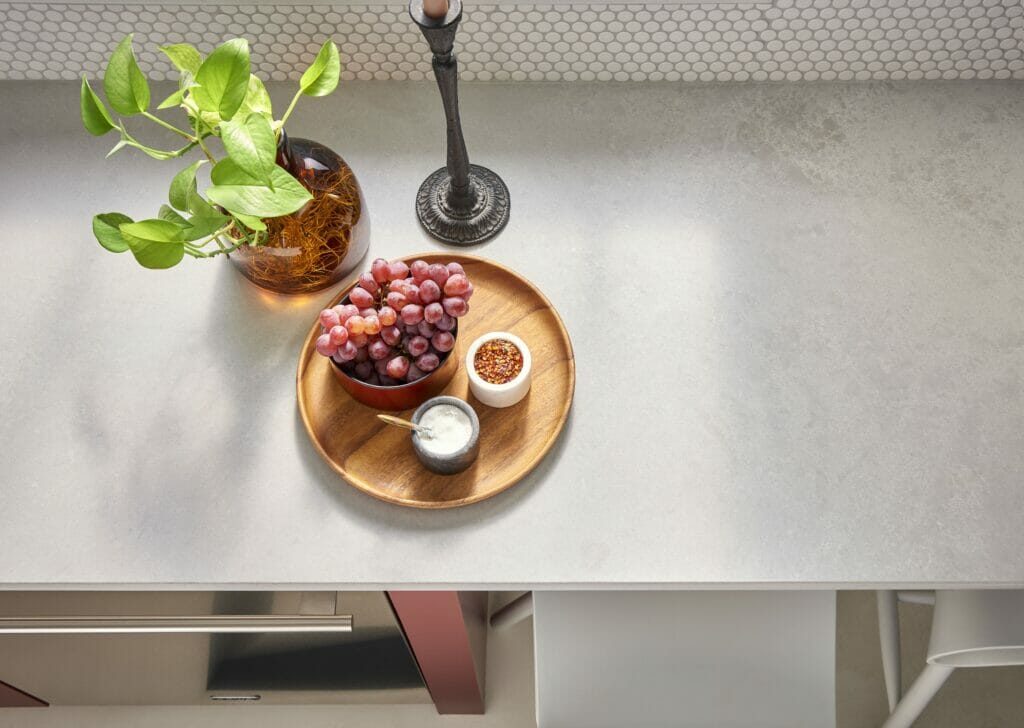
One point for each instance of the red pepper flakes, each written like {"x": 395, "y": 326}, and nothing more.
{"x": 498, "y": 361}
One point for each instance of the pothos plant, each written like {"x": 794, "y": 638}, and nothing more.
{"x": 222, "y": 98}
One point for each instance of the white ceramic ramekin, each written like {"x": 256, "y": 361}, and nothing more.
{"x": 499, "y": 395}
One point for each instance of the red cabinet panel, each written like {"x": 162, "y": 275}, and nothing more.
{"x": 447, "y": 634}
{"x": 11, "y": 697}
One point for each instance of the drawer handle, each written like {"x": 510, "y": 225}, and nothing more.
{"x": 233, "y": 623}
{"x": 235, "y": 698}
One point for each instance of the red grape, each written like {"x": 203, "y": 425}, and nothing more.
{"x": 364, "y": 369}
{"x": 397, "y": 270}
{"x": 378, "y": 349}
{"x": 379, "y": 270}
{"x": 356, "y": 324}
{"x": 430, "y": 291}
{"x": 455, "y": 306}
{"x": 339, "y": 335}
{"x": 373, "y": 379}
{"x": 425, "y": 328}
{"x": 380, "y": 366}
{"x": 387, "y": 315}
{"x": 412, "y": 292}
{"x": 398, "y": 367}
{"x": 386, "y": 381}
{"x": 391, "y": 334}
{"x": 329, "y": 319}
{"x": 433, "y": 312}
{"x": 446, "y": 323}
{"x": 456, "y": 285}
{"x": 443, "y": 341}
{"x": 419, "y": 269}
{"x": 412, "y": 314}
{"x": 414, "y": 373}
{"x": 361, "y": 297}
{"x": 345, "y": 312}
{"x": 367, "y": 282}
{"x": 455, "y": 268}
{"x": 469, "y": 292}
{"x": 358, "y": 339}
{"x": 396, "y": 300}
{"x": 361, "y": 354}
{"x": 417, "y": 345}
{"x": 428, "y": 362}
{"x": 347, "y": 351}
{"x": 438, "y": 273}
{"x": 324, "y": 345}
{"x": 371, "y": 325}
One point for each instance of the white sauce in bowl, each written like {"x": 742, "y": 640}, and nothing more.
{"x": 450, "y": 429}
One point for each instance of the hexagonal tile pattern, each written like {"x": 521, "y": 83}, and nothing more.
{"x": 790, "y": 40}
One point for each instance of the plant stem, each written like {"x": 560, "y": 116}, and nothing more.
{"x": 291, "y": 106}
{"x": 206, "y": 151}
{"x": 171, "y": 155}
{"x": 199, "y": 140}
{"x": 165, "y": 125}
{"x": 196, "y": 251}
{"x": 127, "y": 140}
{"x": 216, "y": 235}
{"x": 216, "y": 239}
{"x": 245, "y": 232}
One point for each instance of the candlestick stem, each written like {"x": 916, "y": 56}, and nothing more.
{"x": 461, "y": 203}
{"x": 447, "y": 74}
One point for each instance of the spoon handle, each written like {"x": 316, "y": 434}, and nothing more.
{"x": 399, "y": 422}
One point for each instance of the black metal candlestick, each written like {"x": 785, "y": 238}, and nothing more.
{"x": 461, "y": 203}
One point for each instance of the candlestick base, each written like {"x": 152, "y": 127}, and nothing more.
{"x": 450, "y": 224}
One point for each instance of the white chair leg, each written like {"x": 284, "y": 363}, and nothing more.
{"x": 889, "y": 636}
{"x": 919, "y": 695}
{"x": 916, "y": 596}
{"x": 514, "y": 612}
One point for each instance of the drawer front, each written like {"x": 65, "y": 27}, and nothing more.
{"x": 132, "y": 648}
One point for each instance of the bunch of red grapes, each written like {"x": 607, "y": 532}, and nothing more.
{"x": 399, "y": 322}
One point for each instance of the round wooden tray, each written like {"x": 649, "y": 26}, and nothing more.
{"x": 378, "y": 459}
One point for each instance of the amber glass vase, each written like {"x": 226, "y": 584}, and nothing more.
{"x": 318, "y": 245}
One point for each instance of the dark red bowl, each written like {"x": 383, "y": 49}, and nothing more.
{"x": 401, "y": 396}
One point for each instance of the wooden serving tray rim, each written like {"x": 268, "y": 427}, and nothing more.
{"x": 305, "y": 356}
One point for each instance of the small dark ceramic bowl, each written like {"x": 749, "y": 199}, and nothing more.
{"x": 457, "y": 461}
{"x": 401, "y": 396}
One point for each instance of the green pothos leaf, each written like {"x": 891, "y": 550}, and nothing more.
{"x": 123, "y": 81}
{"x": 95, "y": 117}
{"x": 155, "y": 243}
{"x": 106, "y": 228}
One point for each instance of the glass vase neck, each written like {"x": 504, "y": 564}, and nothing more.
{"x": 285, "y": 153}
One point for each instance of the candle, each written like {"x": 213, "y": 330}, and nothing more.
{"x": 435, "y": 8}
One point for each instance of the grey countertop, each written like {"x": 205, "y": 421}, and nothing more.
{"x": 798, "y": 314}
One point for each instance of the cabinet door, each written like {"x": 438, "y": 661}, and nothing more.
{"x": 191, "y": 648}
{"x": 11, "y": 697}
{"x": 685, "y": 659}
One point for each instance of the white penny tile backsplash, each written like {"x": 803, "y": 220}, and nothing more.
{"x": 789, "y": 40}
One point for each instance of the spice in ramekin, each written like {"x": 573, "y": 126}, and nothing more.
{"x": 498, "y": 361}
